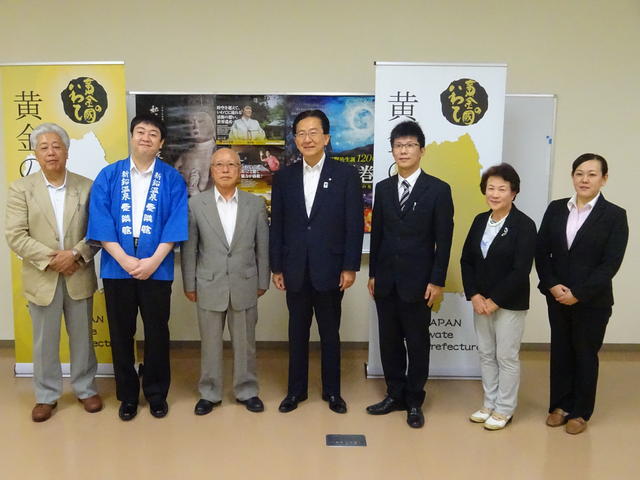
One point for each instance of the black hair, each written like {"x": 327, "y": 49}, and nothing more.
{"x": 504, "y": 171}
{"x": 151, "y": 120}
{"x": 585, "y": 157}
{"x": 312, "y": 113}
{"x": 407, "y": 129}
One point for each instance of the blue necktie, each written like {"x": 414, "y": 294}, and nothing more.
{"x": 405, "y": 194}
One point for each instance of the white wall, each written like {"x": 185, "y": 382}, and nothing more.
{"x": 585, "y": 51}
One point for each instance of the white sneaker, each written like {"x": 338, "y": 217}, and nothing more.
{"x": 480, "y": 416}
{"x": 497, "y": 421}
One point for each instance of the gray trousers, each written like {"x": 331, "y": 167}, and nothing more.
{"x": 499, "y": 336}
{"x": 47, "y": 372}
{"x": 242, "y": 327}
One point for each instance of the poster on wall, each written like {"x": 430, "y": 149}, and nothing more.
{"x": 351, "y": 119}
{"x": 88, "y": 101}
{"x": 461, "y": 110}
{"x": 258, "y": 128}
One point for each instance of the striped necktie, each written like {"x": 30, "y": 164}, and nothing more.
{"x": 405, "y": 194}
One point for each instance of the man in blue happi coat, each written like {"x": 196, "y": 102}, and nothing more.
{"x": 138, "y": 212}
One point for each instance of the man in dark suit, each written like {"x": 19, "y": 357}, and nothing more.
{"x": 411, "y": 232}
{"x": 315, "y": 247}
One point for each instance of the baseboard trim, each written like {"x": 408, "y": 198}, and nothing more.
{"x": 525, "y": 347}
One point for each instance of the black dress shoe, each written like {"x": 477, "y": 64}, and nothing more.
{"x": 128, "y": 411}
{"x": 290, "y": 402}
{"x": 415, "y": 417}
{"x": 253, "y": 404}
{"x": 159, "y": 408}
{"x": 336, "y": 403}
{"x": 204, "y": 406}
{"x": 388, "y": 405}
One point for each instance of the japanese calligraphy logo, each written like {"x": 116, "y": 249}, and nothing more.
{"x": 464, "y": 102}
{"x": 84, "y": 100}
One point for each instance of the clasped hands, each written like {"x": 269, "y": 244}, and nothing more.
{"x": 63, "y": 261}
{"x": 482, "y": 305}
{"x": 139, "y": 268}
{"x": 563, "y": 295}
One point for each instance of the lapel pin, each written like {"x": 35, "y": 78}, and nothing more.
{"x": 325, "y": 184}
{"x": 505, "y": 231}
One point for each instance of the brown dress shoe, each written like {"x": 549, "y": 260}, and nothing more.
{"x": 92, "y": 404}
{"x": 576, "y": 426}
{"x": 557, "y": 418}
{"x": 42, "y": 411}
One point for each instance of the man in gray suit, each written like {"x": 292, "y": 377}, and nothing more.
{"x": 225, "y": 268}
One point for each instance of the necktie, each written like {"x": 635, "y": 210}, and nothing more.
{"x": 405, "y": 194}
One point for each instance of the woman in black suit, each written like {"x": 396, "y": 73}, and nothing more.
{"x": 496, "y": 262}
{"x": 580, "y": 248}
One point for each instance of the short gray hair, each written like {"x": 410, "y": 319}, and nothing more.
{"x": 49, "y": 128}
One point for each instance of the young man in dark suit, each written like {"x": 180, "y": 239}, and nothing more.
{"x": 411, "y": 232}
{"x": 315, "y": 247}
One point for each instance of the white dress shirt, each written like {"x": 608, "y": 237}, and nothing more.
{"x": 140, "y": 182}
{"x": 57, "y": 196}
{"x": 411, "y": 180}
{"x": 577, "y": 216}
{"x": 228, "y": 212}
{"x": 310, "y": 179}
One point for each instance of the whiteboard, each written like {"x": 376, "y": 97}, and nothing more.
{"x": 529, "y": 128}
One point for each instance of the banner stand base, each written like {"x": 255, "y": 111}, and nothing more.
{"x": 24, "y": 370}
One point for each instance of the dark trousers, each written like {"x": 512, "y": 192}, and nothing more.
{"x": 577, "y": 333}
{"x": 401, "y": 322}
{"x": 327, "y": 307}
{"x": 123, "y": 299}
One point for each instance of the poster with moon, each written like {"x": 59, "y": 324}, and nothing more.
{"x": 259, "y": 128}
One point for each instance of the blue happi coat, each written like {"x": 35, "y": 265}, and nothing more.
{"x": 165, "y": 216}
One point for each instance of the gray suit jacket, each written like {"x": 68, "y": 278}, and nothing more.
{"x": 226, "y": 275}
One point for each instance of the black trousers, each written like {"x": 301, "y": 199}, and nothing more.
{"x": 401, "y": 323}
{"x": 123, "y": 299}
{"x": 577, "y": 333}
{"x": 327, "y": 307}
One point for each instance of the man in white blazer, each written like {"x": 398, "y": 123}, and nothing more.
{"x": 225, "y": 268}
{"x": 46, "y": 223}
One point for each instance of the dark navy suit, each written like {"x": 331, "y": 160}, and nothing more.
{"x": 409, "y": 249}
{"x": 311, "y": 251}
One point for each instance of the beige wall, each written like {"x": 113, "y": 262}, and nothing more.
{"x": 584, "y": 51}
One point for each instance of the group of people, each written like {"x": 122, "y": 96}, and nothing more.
{"x": 137, "y": 211}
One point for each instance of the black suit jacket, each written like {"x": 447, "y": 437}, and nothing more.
{"x": 594, "y": 257}
{"x": 503, "y": 276}
{"x": 327, "y": 241}
{"x": 410, "y": 248}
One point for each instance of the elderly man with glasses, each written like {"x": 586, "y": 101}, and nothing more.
{"x": 225, "y": 269}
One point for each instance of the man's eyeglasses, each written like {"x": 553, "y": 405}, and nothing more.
{"x": 408, "y": 146}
